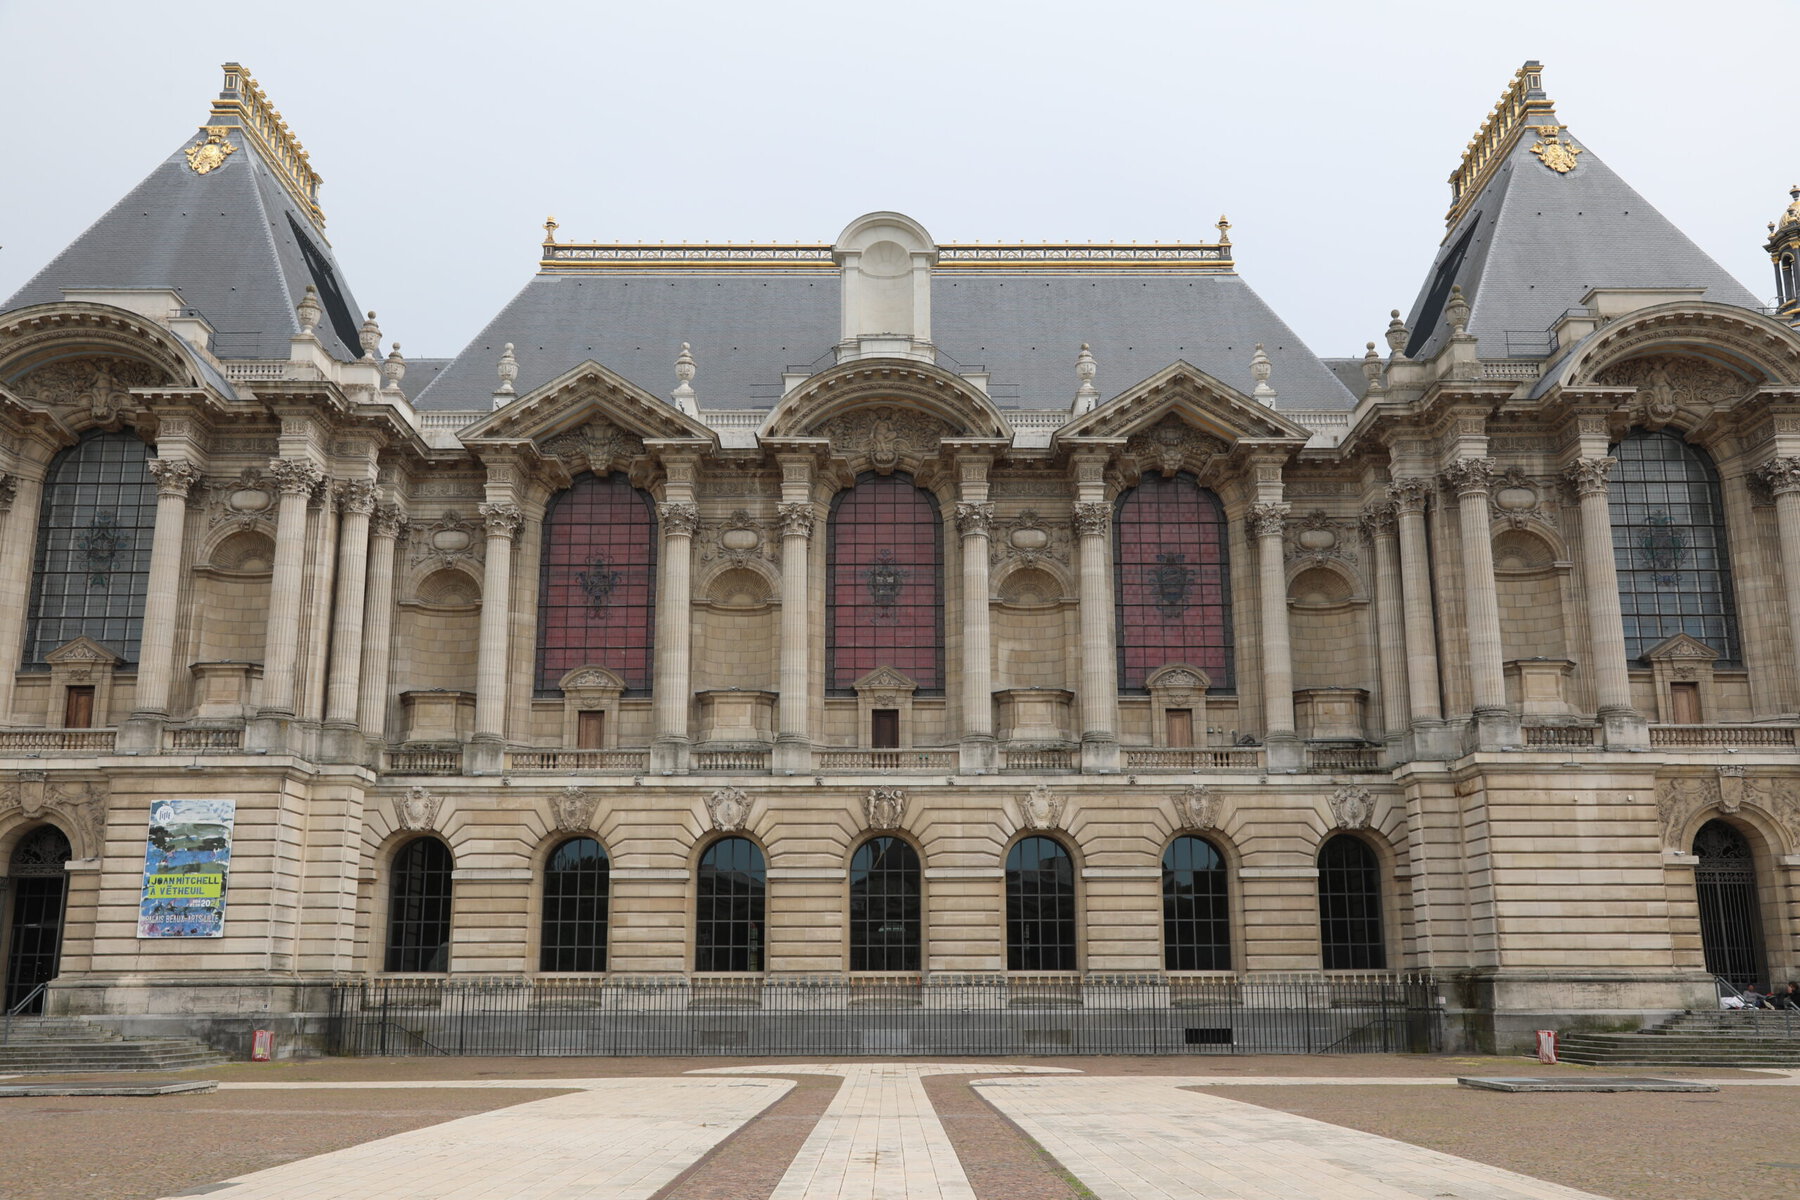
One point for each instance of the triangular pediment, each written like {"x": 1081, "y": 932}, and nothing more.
{"x": 1196, "y": 399}
{"x": 83, "y": 651}
{"x": 885, "y": 679}
{"x": 586, "y": 395}
{"x": 1681, "y": 647}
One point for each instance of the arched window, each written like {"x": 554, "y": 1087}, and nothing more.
{"x": 573, "y": 935}
{"x": 1196, "y": 909}
{"x": 884, "y": 584}
{"x": 419, "y": 907}
{"x": 1668, "y": 526}
{"x": 38, "y": 880}
{"x": 1040, "y": 906}
{"x": 597, "y": 585}
{"x": 728, "y": 916}
{"x": 1350, "y": 936}
{"x": 93, "y": 547}
{"x": 1172, "y": 581}
{"x": 1731, "y": 933}
{"x": 884, "y": 906}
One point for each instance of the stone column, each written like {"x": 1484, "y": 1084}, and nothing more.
{"x": 1390, "y": 619}
{"x": 1472, "y": 479}
{"x": 1409, "y": 497}
{"x": 488, "y": 755}
{"x": 297, "y": 478}
{"x": 356, "y": 500}
{"x": 1099, "y": 662}
{"x": 20, "y": 495}
{"x": 974, "y": 519}
{"x": 1624, "y": 725}
{"x": 793, "y": 738}
{"x": 678, "y": 521}
{"x": 1266, "y": 524}
{"x": 156, "y": 655}
{"x": 385, "y": 527}
{"x": 1783, "y": 477}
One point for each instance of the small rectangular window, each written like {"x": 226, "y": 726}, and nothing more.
{"x": 78, "y": 708}
{"x": 884, "y": 728}
{"x": 590, "y": 730}
{"x": 1684, "y": 703}
{"x": 1180, "y": 726}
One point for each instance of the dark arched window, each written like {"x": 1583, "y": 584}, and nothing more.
{"x": 597, "y": 586}
{"x": 884, "y": 906}
{"x": 93, "y": 547}
{"x": 1172, "y": 581}
{"x": 884, "y": 584}
{"x": 1668, "y": 527}
{"x": 728, "y": 916}
{"x": 1040, "y": 906}
{"x": 1731, "y": 933}
{"x": 1196, "y": 909}
{"x": 574, "y": 929}
{"x": 1350, "y": 906}
{"x": 419, "y": 907}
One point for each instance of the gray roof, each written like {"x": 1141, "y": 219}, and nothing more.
{"x": 1349, "y": 372}
{"x": 419, "y": 374}
{"x": 747, "y": 327}
{"x": 1534, "y": 242}
{"x": 227, "y": 241}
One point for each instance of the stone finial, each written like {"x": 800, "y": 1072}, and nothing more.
{"x": 1086, "y": 394}
{"x": 1371, "y": 366}
{"x": 370, "y": 336}
{"x": 394, "y": 369}
{"x": 309, "y": 310}
{"x": 1224, "y": 228}
{"x": 1260, "y": 370}
{"x": 550, "y": 228}
{"x": 1457, "y": 311}
{"x": 1397, "y": 333}
{"x": 508, "y": 369}
{"x": 1791, "y": 214}
{"x": 683, "y": 395}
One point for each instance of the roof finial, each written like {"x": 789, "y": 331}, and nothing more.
{"x": 683, "y": 395}
{"x": 1086, "y": 394}
{"x": 1224, "y": 228}
{"x": 1371, "y": 366}
{"x": 1457, "y": 311}
{"x": 508, "y": 369}
{"x": 394, "y": 368}
{"x": 309, "y": 310}
{"x": 1260, "y": 370}
{"x": 1397, "y": 332}
{"x": 1791, "y": 215}
{"x": 550, "y": 228}
{"x": 370, "y": 336}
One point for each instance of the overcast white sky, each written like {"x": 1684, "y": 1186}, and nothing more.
{"x": 446, "y": 132}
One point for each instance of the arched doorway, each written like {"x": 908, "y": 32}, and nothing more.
{"x": 39, "y": 883}
{"x": 1730, "y": 919}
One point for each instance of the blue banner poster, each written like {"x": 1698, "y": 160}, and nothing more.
{"x": 185, "y": 862}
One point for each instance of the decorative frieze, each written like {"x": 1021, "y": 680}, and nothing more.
{"x": 884, "y": 436}
{"x": 1173, "y": 445}
{"x": 447, "y": 539}
{"x": 1029, "y": 539}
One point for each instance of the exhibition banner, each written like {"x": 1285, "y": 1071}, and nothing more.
{"x": 185, "y": 863}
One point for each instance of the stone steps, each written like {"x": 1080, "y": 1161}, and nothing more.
{"x": 40, "y": 1045}
{"x": 1694, "y": 1039}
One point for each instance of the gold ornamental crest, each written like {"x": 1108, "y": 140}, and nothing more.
{"x": 211, "y": 154}
{"x": 1558, "y": 156}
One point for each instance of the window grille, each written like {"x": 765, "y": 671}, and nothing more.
{"x": 1350, "y": 936}
{"x": 1040, "y": 906}
{"x": 1196, "y": 907}
{"x": 419, "y": 907}
{"x": 884, "y": 906}
{"x": 728, "y": 918}
{"x": 1172, "y": 581}
{"x": 575, "y": 907}
{"x": 884, "y": 584}
{"x": 597, "y": 584}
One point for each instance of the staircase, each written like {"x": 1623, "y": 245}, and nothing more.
{"x": 68, "y": 1044}
{"x": 1726, "y": 1038}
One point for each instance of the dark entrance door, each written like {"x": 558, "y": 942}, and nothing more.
{"x": 37, "y": 881}
{"x": 1730, "y": 920}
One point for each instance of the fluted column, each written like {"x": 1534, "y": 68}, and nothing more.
{"x": 356, "y": 500}
{"x": 297, "y": 478}
{"x": 1266, "y": 524}
{"x": 502, "y": 522}
{"x": 385, "y": 527}
{"x": 678, "y": 521}
{"x": 793, "y": 737}
{"x": 1783, "y": 477}
{"x": 1099, "y": 664}
{"x": 1599, "y": 571}
{"x": 1390, "y": 618}
{"x": 20, "y": 495}
{"x": 156, "y": 655}
{"x": 1472, "y": 479}
{"x": 973, "y": 521}
{"x": 1409, "y": 497}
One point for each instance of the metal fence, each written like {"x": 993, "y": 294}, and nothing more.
{"x": 888, "y": 1015}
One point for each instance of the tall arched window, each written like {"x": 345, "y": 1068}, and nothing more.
{"x": 597, "y": 585}
{"x": 1196, "y": 908}
{"x": 728, "y": 915}
{"x": 1350, "y": 937}
{"x": 93, "y": 547}
{"x": 884, "y": 906}
{"x": 884, "y": 584}
{"x": 1668, "y": 527}
{"x": 1040, "y": 906}
{"x": 1731, "y": 932}
{"x": 419, "y": 907}
{"x": 1172, "y": 581}
{"x": 573, "y": 934}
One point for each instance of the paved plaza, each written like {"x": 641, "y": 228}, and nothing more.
{"x": 1073, "y": 1129}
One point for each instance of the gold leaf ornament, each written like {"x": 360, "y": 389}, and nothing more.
{"x": 211, "y": 154}
{"x": 1559, "y": 156}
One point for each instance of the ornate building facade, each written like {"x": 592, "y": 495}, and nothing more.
{"x": 895, "y": 606}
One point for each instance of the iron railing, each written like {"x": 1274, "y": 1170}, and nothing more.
{"x": 888, "y": 1015}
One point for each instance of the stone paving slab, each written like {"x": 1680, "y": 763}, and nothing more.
{"x": 1626, "y": 1083}
{"x": 110, "y": 1089}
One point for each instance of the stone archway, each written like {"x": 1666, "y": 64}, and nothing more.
{"x": 38, "y": 884}
{"x": 1731, "y": 932}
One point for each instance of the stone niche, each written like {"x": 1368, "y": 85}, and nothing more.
{"x": 737, "y": 715}
{"x": 1035, "y": 716}
{"x": 884, "y": 688}
{"x": 591, "y": 689}
{"x": 438, "y": 715}
{"x": 1331, "y": 714}
{"x": 1178, "y": 687}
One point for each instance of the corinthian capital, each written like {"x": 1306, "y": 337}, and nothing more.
{"x": 1471, "y": 476}
{"x": 1093, "y": 518}
{"x": 296, "y": 476}
{"x": 174, "y": 476}
{"x": 356, "y": 496}
{"x": 1377, "y": 520}
{"x": 9, "y": 491}
{"x": 1588, "y": 475}
{"x": 679, "y": 517}
{"x": 1409, "y": 495}
{"x": 388, "y": 521}
{"x": 973, "y": 519}
{"x": 1781, "y": 474}
{"x": 503, "y": 520}
{"x": 796, "y": 517}
{"x": 1268, "y": 519}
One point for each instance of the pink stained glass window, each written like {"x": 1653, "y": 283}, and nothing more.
{"x": 1172, "y": 581}
{"x": 597, "y": 586}
{"x": 884, "y": 584}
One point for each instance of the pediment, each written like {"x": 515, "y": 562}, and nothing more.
{"x": 589, "y": 395}
{"x": 1681, "y": 647}
{"x": 590, "y": 679}
{"x": 932, "y": 395}
{"x": 885, "y": 679}
{"x": 1194, "y": 398}
{"x": 82, "y": 651}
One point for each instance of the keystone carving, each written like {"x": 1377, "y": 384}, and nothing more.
{"x": 1352, "y": 807}
{"x": 1039, "y": 809}
{"x": 573, "y": 809}
{"x": 729, "y": 809}
{"x": 1197, "y": 807}
{"x": 418, "y": 808}
{"x": 884, "y": 807}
